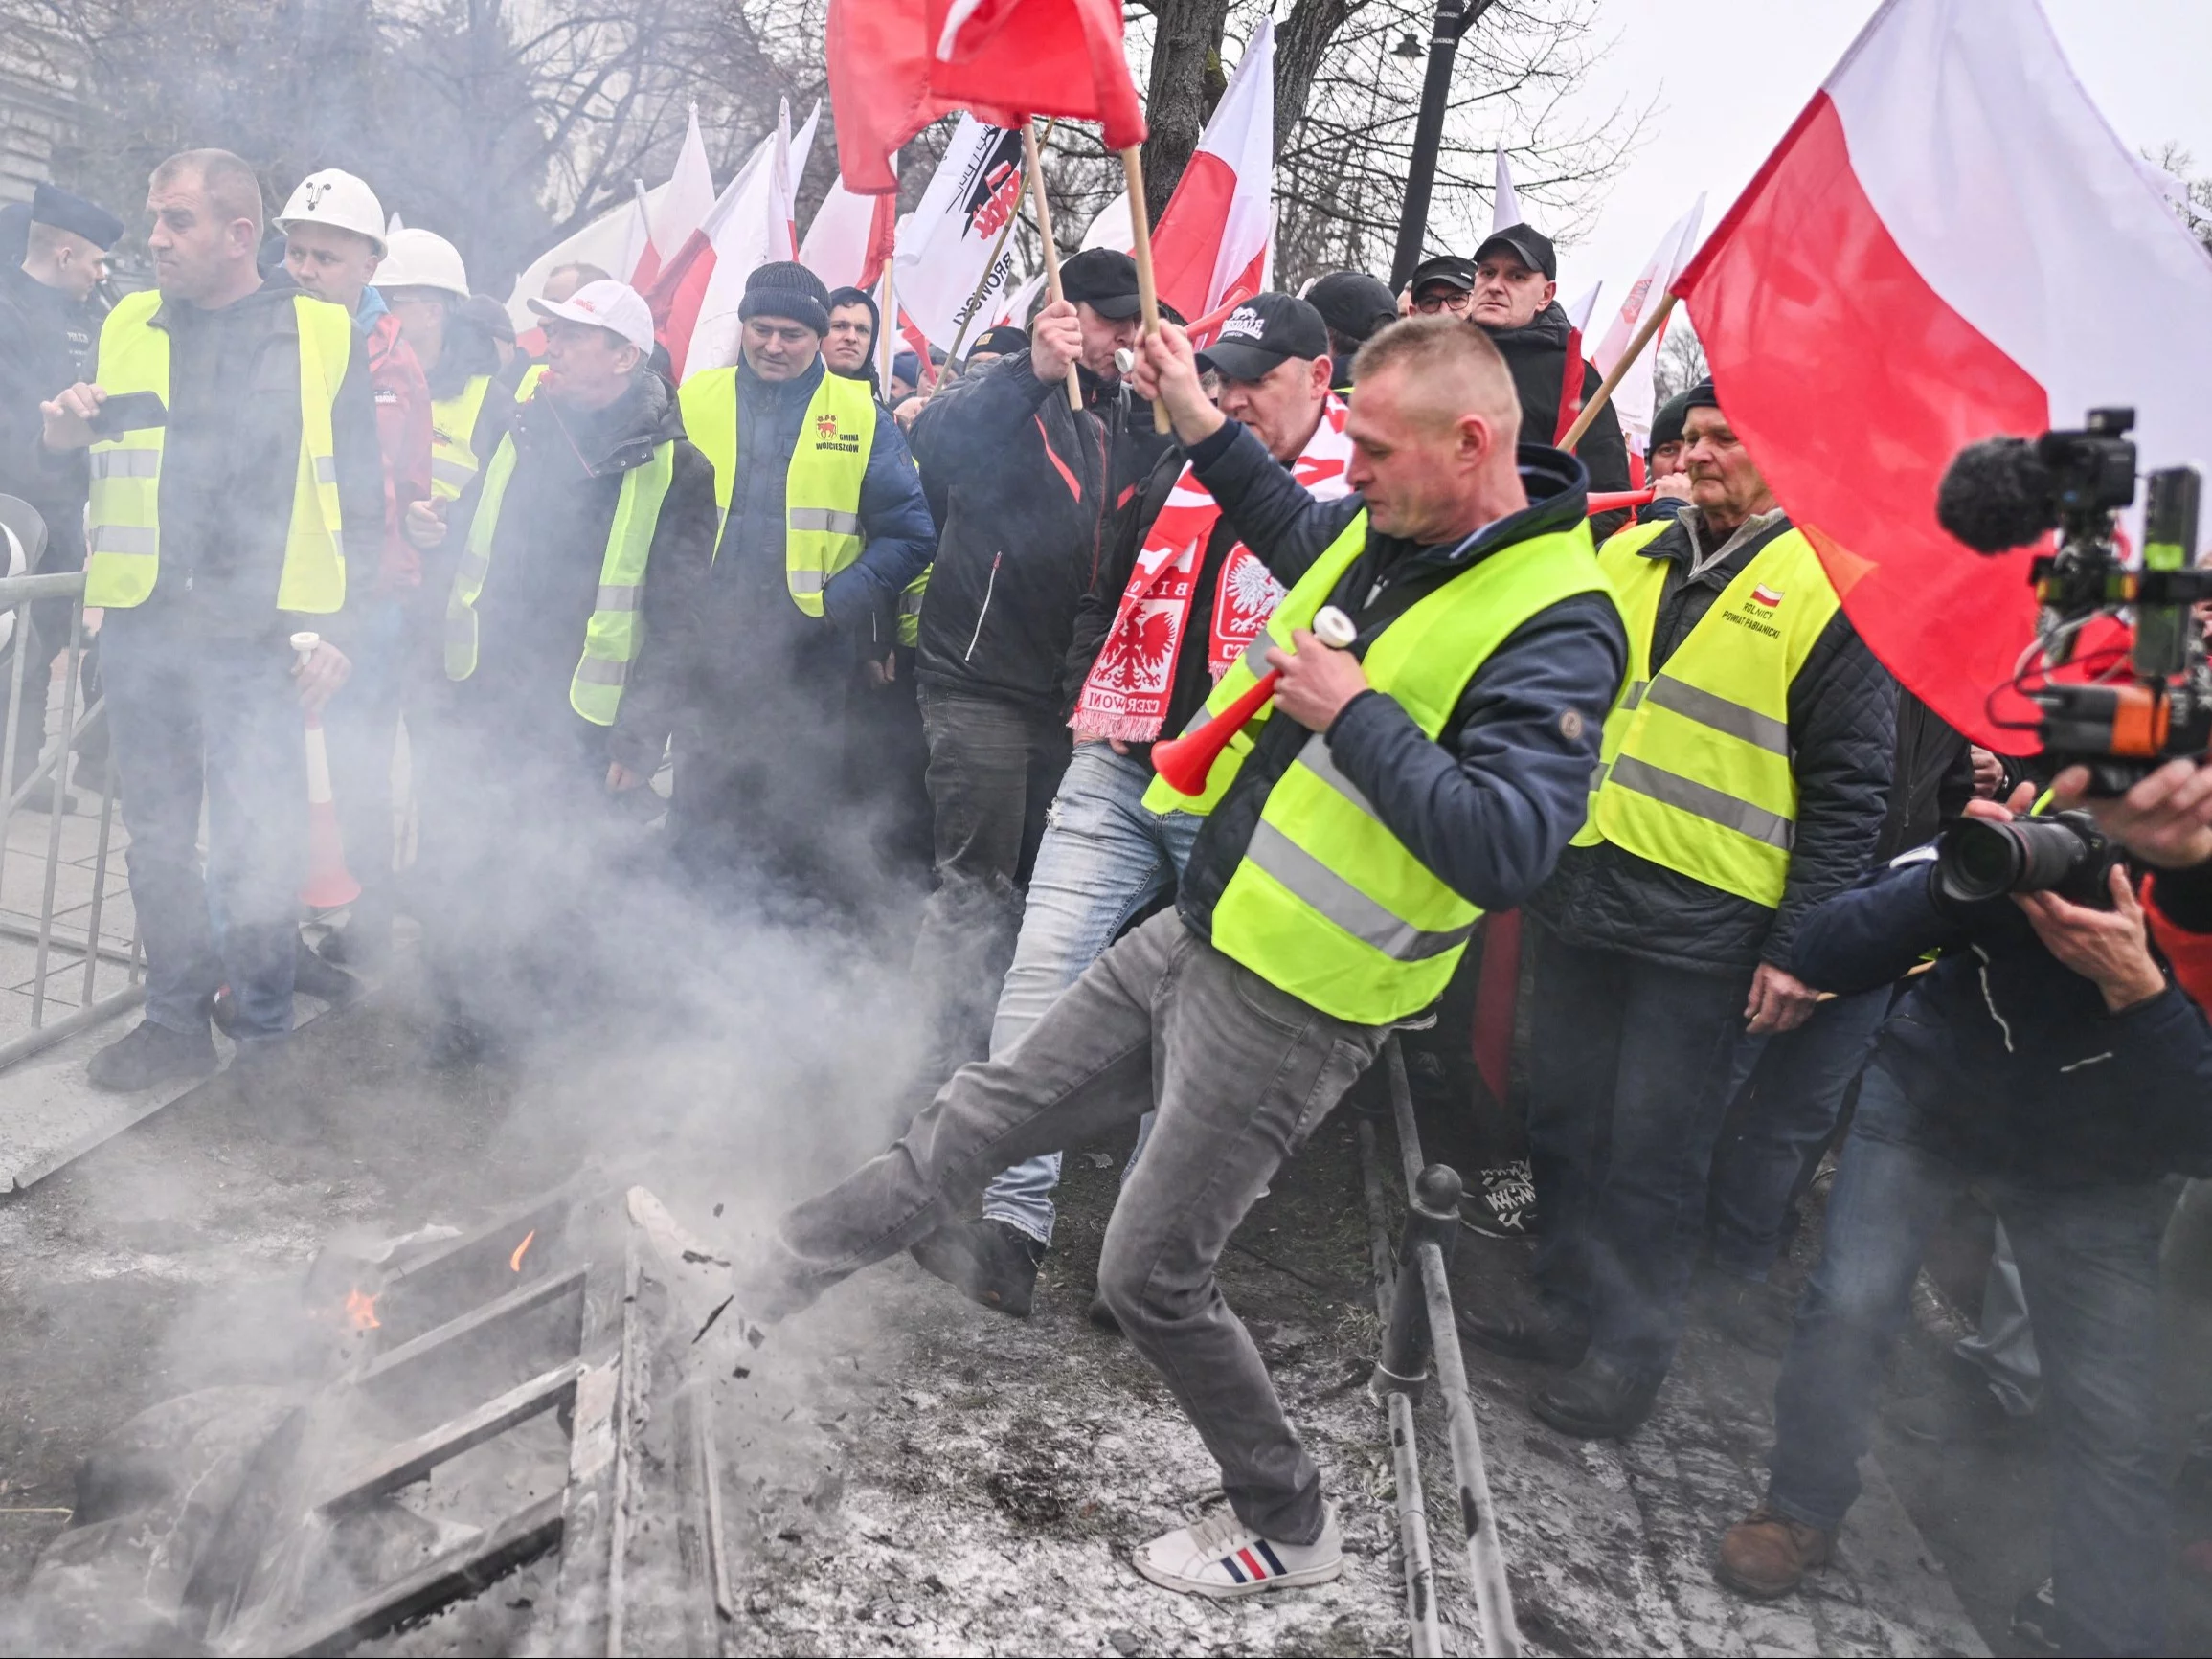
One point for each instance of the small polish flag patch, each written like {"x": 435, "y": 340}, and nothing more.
{"x": 1767, "y": 596}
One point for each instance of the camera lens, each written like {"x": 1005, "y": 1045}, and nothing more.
{"x": 1980, "y": 860}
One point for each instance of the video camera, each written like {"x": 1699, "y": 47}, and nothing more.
{"x": 2008, "y": 492}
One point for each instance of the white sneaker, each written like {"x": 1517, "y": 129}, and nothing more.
{"x": 1222, "y": 1557}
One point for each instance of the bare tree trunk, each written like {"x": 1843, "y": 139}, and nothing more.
{"x": 1302, "y": 45}
{"x": 1187, "y": 83}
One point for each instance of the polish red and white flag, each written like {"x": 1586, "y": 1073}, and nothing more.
{"x": 1950, "y": 243}
{"x": 1211, "y": 247}
{"x": 683, "y": 207}
{"x": 852, "y": 237}
{"x": 1635, "y": 398}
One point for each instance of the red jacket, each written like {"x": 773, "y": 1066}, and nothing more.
{"x": 403, "y": 432}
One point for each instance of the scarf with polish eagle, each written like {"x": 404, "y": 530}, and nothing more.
{"x": 1125, "y": 696}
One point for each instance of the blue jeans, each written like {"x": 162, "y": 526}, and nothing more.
{"x": 1796, "y": 1093}
{"x": 219, "y": 717}
{"x": 1104, "y": 857}
{"x": 2088, "y": 1260}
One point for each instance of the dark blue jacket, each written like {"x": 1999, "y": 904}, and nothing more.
{"x": 1487, "y": 805}
{"x": 2010, "y": 1054}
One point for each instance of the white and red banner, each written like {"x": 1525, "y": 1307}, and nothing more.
{"x": 851, "y": 238}
{"x": 1212, "y": 245}
{"x": 683, "y": 207}
{"x": 946, "y": 272}
{"x": 1950, "y": 243}
{"x": 1634, "y": 400}
{"x": 1505, "y": 199}
{"x": 611, "y": 241}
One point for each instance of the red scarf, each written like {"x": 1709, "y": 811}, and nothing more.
{"x": 1125, "y": 696}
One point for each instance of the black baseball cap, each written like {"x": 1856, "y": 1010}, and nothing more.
{"x": 1666, "y": 423}
{"x": 1266, "y": 330}
{"x": 1352, "y": 304}
{"x": 1450, "y": 268}
{"x": 1527, "y": 244}
{"x": 1006, "y": 337}
{"x": 1103, "y": 280}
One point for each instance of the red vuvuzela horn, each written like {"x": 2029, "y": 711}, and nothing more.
{"x": 1187, "y": 761}
{"x": 1613, "y": 501}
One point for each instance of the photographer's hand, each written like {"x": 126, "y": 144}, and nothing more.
{"x": 2107, "y": 947}
{"x": 2165, "y": 819}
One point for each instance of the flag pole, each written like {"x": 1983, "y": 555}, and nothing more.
{"x": 1036, "y": 168}
{"x": 1141, "y": 231}
{"x": 1598, "y": 399}
{"x": 887, "y": 323}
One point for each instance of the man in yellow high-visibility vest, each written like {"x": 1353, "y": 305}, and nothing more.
{"x": 1745, "y": 778}
{"x": 227, "y": 495}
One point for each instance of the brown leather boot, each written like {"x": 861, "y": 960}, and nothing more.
{"x": 1767, "y": 1554}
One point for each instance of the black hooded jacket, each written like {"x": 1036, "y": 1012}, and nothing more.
{"x": 1842, "y": 745}
{"x": 1537, "y": 355}
{"x": 46, "y": 345}
{"x": 1029, "y": 497}
{"x": 542, "y": 584}
{"x": 1490, "y": 803}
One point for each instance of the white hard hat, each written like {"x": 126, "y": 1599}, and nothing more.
{"x": 331, "y": 197}
{"x": 422, "y": 260}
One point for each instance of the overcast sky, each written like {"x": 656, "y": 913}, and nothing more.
{"x": 1730, "y": 76}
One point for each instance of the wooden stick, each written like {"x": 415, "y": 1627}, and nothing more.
{"x": 1598, "y": 399}
{"x": 1140, "y": 228}
{"x": 1036, "y": 168}
{"x": 887, "y": 347}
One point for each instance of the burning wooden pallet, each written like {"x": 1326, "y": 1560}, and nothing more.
{"x": 488, "y": 1397}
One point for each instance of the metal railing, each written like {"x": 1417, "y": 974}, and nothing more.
{"x": 61, "y": 952}
{"x": 1413, "y": 1300}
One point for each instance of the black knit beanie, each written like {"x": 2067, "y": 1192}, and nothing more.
{"x": 786, "y": 288}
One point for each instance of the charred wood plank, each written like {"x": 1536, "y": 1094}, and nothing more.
{"x": 589, "y": 1613}
{"x": 410, "y": 1460}
{"x": 523, "y": 1537}
{"x": 471, "y": 1325}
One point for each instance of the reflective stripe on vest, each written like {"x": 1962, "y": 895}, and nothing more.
{"x": 614, "y": 635}
{"x": 122, "y": 530}
{"x": 453, "y": 457}
{"x": 1326, "y": 904}
{"x": 1695, "y": 773}
{"x": 821, "y": 483}
{"x": 910, "y": 608}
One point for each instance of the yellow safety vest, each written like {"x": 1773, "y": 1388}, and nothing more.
{"x": 526, "y": 388}
{"x": 615, "y": 633}
{"x": 453, "y": 457}
{"x": 822, "y": 533}
{"x": 124, "y": 525}
{"x": 910, "y": 604}
{"x": 1696, "y": 772}
{"x": 1327, "y": 903}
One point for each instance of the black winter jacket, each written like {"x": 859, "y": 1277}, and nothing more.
{"x": 1843, "y": 738}
{"x": 46, "y": 344}
{"x": 543, "y": 585}
{"x": 2012, "y": 1058}
{"x": 1537, "y": 355}
{"x": 1027, "y": 495}
{"x": 1489, "y": 803}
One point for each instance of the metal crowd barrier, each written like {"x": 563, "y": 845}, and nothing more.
{"x": 60, "y": 951}
{"x": 1413, "y": 1300}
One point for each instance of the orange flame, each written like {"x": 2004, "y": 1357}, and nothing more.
{"x": 361, "y": 1311}
{"x": 515, "y": 1262}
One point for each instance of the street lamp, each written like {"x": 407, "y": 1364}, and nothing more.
{"x": 1409, "y": 46}
{"x": 1454, "y": 18}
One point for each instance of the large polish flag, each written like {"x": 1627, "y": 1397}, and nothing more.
{"x": 1950, "y": 243}
{"x": 683, "y": 207}
{"x": 852, "y": 237}
{"x": 1212, "y": 244}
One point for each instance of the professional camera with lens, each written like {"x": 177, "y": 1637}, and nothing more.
{"x": 2123, "y": 719}
{"x": 2064, "y": 853}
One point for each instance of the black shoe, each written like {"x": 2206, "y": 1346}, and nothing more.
{"x": 151, "y": 1055}
{"x": 1748, "y": 1312}
{"x": 1541, "y": 1331}
{"x": 1102, "y": 1317}
{"x": 988, "y": 1261}
{"x": 1598, "y": 1399}
{"x": 1501, "y": 1204}
{"x": 315, "y": 978}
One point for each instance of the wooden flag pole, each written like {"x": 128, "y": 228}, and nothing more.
{"x": 887, "y": 347}
{"x": 1603, "y": 394}
{"x": 1141, "y": 229}
{"x": 1036, "y": 168}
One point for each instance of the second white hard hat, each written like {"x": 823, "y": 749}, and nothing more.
{"x": 422, "y": 260}
{"x": 335, "y": 199}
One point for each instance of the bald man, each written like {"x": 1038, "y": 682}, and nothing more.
{"x": 1442, "y": 760}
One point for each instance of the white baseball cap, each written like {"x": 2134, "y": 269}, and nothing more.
{"x": 336, "y": 198}
{"x": 609, "y": 305}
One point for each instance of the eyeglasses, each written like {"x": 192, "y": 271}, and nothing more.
{"x": 1451, "y": 300}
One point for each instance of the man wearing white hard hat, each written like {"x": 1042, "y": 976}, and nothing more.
{"x": 426, "y": 283}
{"x": 578, "y": 559}
{"x": 334, "y": 247}
{"x": 234, "y": 464}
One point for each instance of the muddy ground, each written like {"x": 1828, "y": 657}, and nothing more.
{"x": 909, "y": 1474}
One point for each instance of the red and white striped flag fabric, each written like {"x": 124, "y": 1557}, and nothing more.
{"x": 1635, "y": 397}
{"x": 852, "y": 237}
{"x": 683, "y": 207}
{"x": 1950, "y": 243}
{"x": 1211, "y": 246}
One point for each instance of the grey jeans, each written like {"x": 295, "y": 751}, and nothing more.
{"x": 1240, "y": 1074}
